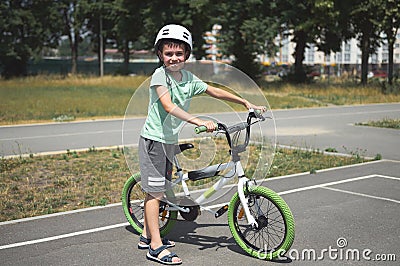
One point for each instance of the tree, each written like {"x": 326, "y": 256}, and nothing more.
{"x": 390, "y": 26}
{"x": 128, "y": 28}
{"x": 364, "y": 18}
{"x": 24, "y": 32}
{"x": 312, "y": 21}
{"x": 74, "y": 14}
{"x": 102, "y": 17}
{"x": 248, "y": 29}
{"x": 195, "y": 15}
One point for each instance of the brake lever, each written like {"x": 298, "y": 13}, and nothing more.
{"x": 259, "y": 115}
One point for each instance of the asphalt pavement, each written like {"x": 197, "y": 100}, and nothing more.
{"x": 320, "y": 128}
{"x": 345, "y": 216}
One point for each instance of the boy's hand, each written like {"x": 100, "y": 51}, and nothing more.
{"x": 210, "y": 125}
{"x": 255, "y": 107}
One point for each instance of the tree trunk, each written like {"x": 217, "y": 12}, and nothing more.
{"x": 390, "y": 63}
{"x": 299, "y": 73}
{"x": 74, "y": 53}
{"x": 73, "y": 36}
{"x": 364, "y": 59}
{"x": 125, "y": 65}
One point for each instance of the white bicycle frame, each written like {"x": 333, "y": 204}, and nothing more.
{"x": 235, "y": 169}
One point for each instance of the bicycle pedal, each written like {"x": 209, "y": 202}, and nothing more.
{"x": 221, "y": 211}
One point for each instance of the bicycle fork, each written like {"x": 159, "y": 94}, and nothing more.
{"x": 243, "y": 180}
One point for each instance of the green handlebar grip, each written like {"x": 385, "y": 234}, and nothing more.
{"x": 202, "y": 129}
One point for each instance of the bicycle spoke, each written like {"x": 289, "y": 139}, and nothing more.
{"x": 271, "y": 232}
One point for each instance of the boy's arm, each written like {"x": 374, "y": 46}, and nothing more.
{"x": 173, "y": 109}
{"x": 224, "y": 95}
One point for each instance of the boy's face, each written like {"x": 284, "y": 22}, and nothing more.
{"x": 173, "y": 55}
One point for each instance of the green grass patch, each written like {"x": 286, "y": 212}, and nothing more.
{"x": 385, "y": 123}
{"x": 40, "y": 185}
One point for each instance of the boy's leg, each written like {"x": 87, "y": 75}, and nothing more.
{"x": 151, "y": 225}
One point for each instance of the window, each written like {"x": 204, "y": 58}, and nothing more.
{"x": 347, "y": 57}
{"x": 328, "y": 58}
{"x": 374, "y": 59}
{"x": 385, "y": 57}
{"x": 310, "y": 57}
{"x": 347, "y": 47}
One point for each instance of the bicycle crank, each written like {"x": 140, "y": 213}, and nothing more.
{"x": 188, "y": 208}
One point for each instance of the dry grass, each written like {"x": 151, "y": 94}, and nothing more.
{"x": 48, "y": 184}
{"x": 385, "y": 123}
{"x": 52, "y": 98}
{"x": 326, "y": 94}
{"x": 59, "y": 99}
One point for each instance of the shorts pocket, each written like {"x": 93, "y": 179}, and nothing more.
{"x": 149, "y": 144}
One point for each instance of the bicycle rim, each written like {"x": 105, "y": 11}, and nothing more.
{"x": 133, "y": 206}
{"x": 275, "y": 233}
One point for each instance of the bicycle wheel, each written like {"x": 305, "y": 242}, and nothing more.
{"x": 275, "y": 233}
{"x": 133, "y": 205}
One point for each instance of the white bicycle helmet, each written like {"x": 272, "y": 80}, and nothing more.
{"x": 176, "y": 32}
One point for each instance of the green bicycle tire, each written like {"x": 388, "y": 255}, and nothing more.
{"x": 287, "y": 217}
{"x": 135, "y": 221}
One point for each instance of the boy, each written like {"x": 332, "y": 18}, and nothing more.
{"x": 171, "y": 89}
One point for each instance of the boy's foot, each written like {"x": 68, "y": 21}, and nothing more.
{"x": 144, "y": 242}
{"x": 162, "y": 255}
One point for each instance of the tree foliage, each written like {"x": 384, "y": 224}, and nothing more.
{"x": 316, "y": 22}
{"x": 249, "y": 27}
{"x": 390, "y": 25}
{"x": 24, "y": 31}
{"x": 365, "y": 20}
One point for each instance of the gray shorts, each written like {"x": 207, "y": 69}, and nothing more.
{"x": 155, "y": 160}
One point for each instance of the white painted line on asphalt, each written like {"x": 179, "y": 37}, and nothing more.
{"x": 366, "y": 195}
{"x": 89, "y": 231}
{"x": 324, "y": 170}
{"x": 63, "y": 135}
{"x": 47, "y": 239}
{"x": 325, "y": 184}
{"x": 389, "y": 177}
{"x": 335, "y": 114}
{"x": 361, "y": 194}
{"x": 58, "y": 214}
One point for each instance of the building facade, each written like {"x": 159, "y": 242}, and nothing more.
{"x": 347, "y": 59}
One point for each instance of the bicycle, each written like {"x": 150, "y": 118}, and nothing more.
{"x": 268, "y": 230}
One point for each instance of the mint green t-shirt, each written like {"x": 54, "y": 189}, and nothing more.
{"x": 160, "y": 125}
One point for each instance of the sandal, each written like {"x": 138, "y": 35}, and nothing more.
{"x": 147, "y": 241}
{"x": 167, "y": 259}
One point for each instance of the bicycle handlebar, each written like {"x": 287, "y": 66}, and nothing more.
{"x": 234, "y": 128}
{"x": 236, "y": 149}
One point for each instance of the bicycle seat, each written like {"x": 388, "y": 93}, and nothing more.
{"x": 182, "y": 147}
{"x": 206, "y": 172}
